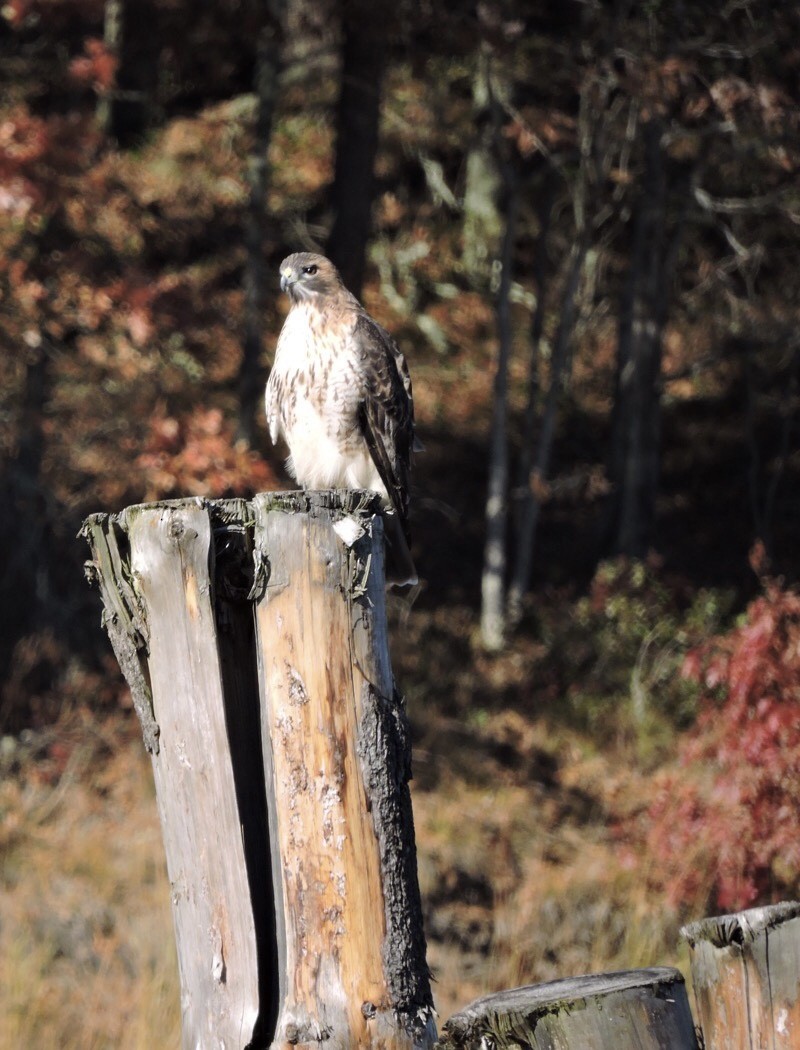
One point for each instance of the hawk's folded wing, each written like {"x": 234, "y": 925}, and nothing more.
{"x": 386, "y": 414}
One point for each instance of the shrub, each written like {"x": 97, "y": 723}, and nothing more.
{"x": 727, "y": 823}
{"x": 617, "y": 657}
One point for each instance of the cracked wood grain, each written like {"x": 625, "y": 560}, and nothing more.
{"x": 171, "y": 563}
{"x": 340, "y": 985}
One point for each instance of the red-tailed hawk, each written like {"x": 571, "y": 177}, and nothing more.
{"x": 340, "y": 394}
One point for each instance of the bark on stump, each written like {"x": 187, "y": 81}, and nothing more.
{"x": 746, "y": 976}
{"x": 281, "y": 762}
{"x": 646, "y": 1009}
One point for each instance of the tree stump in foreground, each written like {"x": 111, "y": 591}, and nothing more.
{"x": 646, "y": 1009}
{"x": 746, "y": 976}
{"x": 253, "y": 637}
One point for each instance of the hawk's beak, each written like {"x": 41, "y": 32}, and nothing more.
{"x": 287, "y": 280}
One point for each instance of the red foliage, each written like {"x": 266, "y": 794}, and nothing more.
{"x": 23, "y": 142}
{"x": 200, "y": 456}
{"x": 96, "y": 66}
{"x": 728, "y": 822}
{"x": 38, "y": 158}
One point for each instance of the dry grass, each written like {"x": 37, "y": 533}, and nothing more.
{"x": 521, "y": 877}
{"x": 525, "y": 882}
{"x": 86, "y": 946}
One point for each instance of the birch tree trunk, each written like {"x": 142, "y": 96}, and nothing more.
{"x": 493, "y": 582}
{"x": 483, "y": 188}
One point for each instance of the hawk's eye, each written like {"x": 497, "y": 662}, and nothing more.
{"x": 310, "y": 270}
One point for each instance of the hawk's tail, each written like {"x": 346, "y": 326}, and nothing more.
{"x": 400, "y": 570}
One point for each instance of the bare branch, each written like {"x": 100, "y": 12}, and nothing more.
{"x": 747, "y": 205}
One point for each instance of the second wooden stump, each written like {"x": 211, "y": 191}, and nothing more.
{"x": 646, "y": 1009}
{"x": 746, "y": 976}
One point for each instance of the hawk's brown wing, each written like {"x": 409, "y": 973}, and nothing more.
{"x": 386, "y": 415}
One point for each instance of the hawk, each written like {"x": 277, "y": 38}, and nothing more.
{"x": 340, "y": 395}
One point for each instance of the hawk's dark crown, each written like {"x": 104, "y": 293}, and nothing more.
{"x": 306, "y": 274}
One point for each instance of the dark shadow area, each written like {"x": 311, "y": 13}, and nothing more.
{"x": 706, "y": 517}
{"x": 447, "y": 515}
{"x": 233, "y": 577}
{"x": 704, "y": 527}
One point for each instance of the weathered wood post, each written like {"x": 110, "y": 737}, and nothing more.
{"x": 645, "y": 1009}
{"x": 746, "y": 976}
{"x": 253, "y": 637}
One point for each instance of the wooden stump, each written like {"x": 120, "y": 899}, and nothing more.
{"x": 155, "y": 566}
{"x": 281, "y": 762}
{"x": 746, "y": 976}
{"x": 645, "y": 1009}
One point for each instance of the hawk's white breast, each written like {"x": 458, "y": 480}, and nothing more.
{"x": 313, "y": 395}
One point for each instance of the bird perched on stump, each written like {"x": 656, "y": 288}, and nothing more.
{"x": 340, "y": 395}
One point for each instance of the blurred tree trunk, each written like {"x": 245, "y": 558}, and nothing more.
{"x": 536, "y": 479}
{"x": 25, "y": 516}
{"x": 765, "y": 473}
{"x": 634, "y": 466}
{"x": 357, "y": 129}
{"x": 483, "y": 221}
{"x": 541, "y": 277}
{"x": 267, "y": 74}
{"x": 522, "y": 494}
{"x": 593, "y": 163}
{"x": 493, "y": 623}
{"x": 131, "y": 35}
{"x": 492, "y": 226}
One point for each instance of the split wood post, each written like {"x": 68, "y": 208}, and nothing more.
{"x": 746, "y": 977}
{"x": 253, "y": 637}
{"x": 646, "y": 1009}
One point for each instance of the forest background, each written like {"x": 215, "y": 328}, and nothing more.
{"x": 581, "y": 220}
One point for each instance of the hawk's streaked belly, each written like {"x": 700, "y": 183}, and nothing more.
{"x": 322, "y": 389}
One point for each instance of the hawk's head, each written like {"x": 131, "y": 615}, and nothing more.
{"x": 305, "y": 275}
